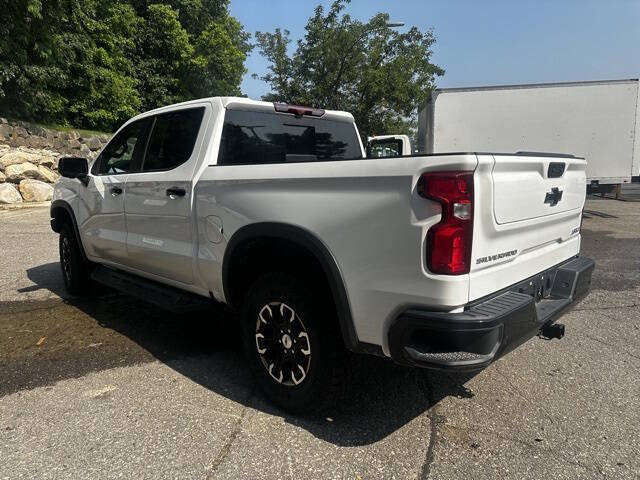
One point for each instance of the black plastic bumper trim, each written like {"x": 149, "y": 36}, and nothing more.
{"x": 492, "y": 326}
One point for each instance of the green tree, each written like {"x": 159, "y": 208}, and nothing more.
{"x": 378, "y": 74}
{"x": 164, "y": 52}
{"x": 218, "y": 62}
{"x": 101, "y": 89}
{"x": 28, "y": 78}
{"x": 95, "y": 63}
{"x": 188, "y": 49}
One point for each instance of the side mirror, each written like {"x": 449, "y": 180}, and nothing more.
{"x": 74, "y": 167}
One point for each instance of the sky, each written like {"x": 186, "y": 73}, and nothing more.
{"x": 490, "y": 42}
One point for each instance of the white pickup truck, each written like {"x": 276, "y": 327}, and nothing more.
{"x": 440, "y": 261}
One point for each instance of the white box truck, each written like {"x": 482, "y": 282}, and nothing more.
{"x": 595, "y": 120}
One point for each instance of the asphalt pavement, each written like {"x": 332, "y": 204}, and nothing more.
{"x": 109, "y": 387}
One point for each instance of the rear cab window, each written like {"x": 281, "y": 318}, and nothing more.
{"x": 172, "y": 140}
{"x": 258, "y": 137}
{"x": 384, "y": 148}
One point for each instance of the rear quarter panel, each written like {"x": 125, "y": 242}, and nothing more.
{"x": 365, "y": 212}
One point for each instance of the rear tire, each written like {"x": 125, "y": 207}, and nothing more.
{"x": 75, "y": 271}
{"x": 294, "y": 349}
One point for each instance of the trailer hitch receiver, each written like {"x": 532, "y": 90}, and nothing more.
{"x": 554, "y": 330}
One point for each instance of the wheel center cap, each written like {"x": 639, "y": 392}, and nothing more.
{"x": 286, "y": 341}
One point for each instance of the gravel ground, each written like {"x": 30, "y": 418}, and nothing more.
{"x": 108, "y": 387}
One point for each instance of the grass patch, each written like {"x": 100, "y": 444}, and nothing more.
{"x": 69, "y": 128}
{"x": 63, "y": 128}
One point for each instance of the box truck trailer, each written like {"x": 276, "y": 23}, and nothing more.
{"x": 598, "y": 121}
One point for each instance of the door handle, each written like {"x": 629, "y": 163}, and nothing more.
{"x": 175, "y": 192}
{"x": 115, "y": 191}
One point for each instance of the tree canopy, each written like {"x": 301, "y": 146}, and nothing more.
{"x": 369, "y": 69}
{"x": 95, "y": 63}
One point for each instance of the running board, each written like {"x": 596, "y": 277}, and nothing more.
{"x": 163, "y": 296}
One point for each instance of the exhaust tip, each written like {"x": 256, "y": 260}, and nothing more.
{"x": 554, "y": 330}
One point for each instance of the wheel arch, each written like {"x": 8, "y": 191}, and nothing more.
{"x": 311, "y": 244}
{"x": 61, "y": 212}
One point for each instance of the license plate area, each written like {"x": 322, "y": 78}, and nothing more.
{"x": 538, "y": 287}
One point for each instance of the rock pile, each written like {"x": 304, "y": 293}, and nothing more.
{"x": 29, "y": 156}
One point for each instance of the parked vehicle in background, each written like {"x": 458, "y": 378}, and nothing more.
{"x": 439, "y": 261}
{"x": 388, "y": 146}
{"x": 598, "y": 121}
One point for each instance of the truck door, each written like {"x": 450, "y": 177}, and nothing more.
{"x": 158, "y": 198}
{"x": 101, "y": 209}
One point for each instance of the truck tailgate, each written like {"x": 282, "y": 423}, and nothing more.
{"x": 532, "y": 187}
{"x": 527, "y": 217}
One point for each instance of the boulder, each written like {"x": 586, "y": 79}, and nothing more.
{"x": 47, "y": 161}
{"x": 20, "y": 132}
{"x": 16, "y": 157}
{"x": 84, "y": 150}
{"x": 17, "y": 172}
{"x": 38, "y": 142}
{"x": 37, "y": 130}
{"x": 74, "y": 144}
{"x": 2, "y": 177}
{"x": 59, "y": 143}
{"x": 6, "y": 130}
{"x": 47, "y": 175}
{"x": 9, "y": 194}
{"x": 94, "y": 143}
{"x": 35, "y": 191}
{"x": 70, "y": 135}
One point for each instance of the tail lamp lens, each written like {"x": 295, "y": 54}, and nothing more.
{"x": 449, "y": 241}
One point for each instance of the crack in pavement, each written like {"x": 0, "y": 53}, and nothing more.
{"x": 554, "y": 452}
{"x": 536, "y": 407}
{"x": 434, "y": 419}
{"x": 589, "y": 309}
{"x": 226, "y": 448}
{"x": 12, "y": 307}
{"x": 602, "y": 342}
{"x": 522, "y": 395}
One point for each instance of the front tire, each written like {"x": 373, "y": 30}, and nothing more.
{"x": 75, "y": 271}
{"x": 290, "y": 340}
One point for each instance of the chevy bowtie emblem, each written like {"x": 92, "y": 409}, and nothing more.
{"x": 553, "y": 197}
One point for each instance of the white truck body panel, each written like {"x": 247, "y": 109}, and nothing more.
{"x": 366, "y": 213}
{"x": 597, "y": 121}
{"x": 536, "y": 236}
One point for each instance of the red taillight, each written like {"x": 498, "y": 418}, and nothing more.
{"x": 298, "y": 110}
{"x": 449, "y": 241}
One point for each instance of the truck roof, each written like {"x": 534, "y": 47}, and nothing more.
{"x": 239, "y": 102}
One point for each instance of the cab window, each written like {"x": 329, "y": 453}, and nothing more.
{"x": 173, "y": 137}
{"x": 124, "y": 151}
{"x": 384, "y": 148}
